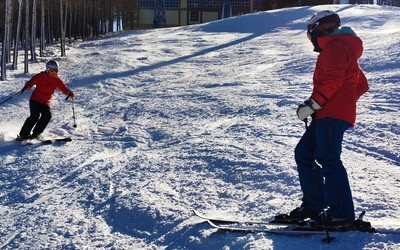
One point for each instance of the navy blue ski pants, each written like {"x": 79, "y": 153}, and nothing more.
{"x": 323, "y": 178}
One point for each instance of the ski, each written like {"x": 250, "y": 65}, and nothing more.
{"x": 293, "y": 230}
{"x": 50, "y": 141}
{"x": 249, "y": 226}
{"x": 227, "y": 221}
{"x": 45, "y": 141}
{"x": 274, "y": 221}
{"x": 275, "y": 229}
{"x": 304, "y": 228}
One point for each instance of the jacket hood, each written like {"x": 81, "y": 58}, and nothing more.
{"x": 347, "y": 36}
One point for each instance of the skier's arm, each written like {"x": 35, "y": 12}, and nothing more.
{"x": 28, "y": 85}
{"x": 65, "y": 90}
{"x": 71, "y": 94}
{"x": 362, "y": 86}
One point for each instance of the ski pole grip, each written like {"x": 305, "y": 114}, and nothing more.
{"x": 70, "y": 94}
{"x": 26, "y": 86}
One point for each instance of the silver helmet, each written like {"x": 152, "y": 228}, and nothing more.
{"x": 52, "y": 65}
{"x": 319, "y": 24}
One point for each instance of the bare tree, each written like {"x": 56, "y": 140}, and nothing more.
{"x": 4, "y": 43}
{"x": 42, "y": 30}
{"x": 9, "y": 39}
{"x": 17, "y": 36}
{"x": 26, "y": 35}
{"x": 62, "y": 32}
{"x": 70, "y": 22}
{"x": 111, "y": 14}
{"x": 76, "y": 19}
{"x": 33, "y": 31}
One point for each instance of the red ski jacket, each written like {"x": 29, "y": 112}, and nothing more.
{"x": 46, "y": 86}
{"x": 338, "y": 80}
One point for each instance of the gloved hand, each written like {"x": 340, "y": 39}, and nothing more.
{"x": 70, "y": 94}
{"x": 307, "y": 109}
{"x": 26, "y": 87}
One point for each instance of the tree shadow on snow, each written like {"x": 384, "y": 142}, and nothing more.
{"x": 261, "y": 24}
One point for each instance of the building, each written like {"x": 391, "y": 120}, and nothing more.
{"x": 168, "y": 13}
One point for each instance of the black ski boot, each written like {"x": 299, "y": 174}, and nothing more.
{"x": 296, "y": 216}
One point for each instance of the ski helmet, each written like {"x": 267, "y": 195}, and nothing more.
{"x": 52, "y": 66}
{"x": 319, "y": 23}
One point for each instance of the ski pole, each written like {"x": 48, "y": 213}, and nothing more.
{"x": 16, "y": 93}
{"x": 73, "y": 114}
{"x": 306, "y": 123}
{"x": 328, "y": 238}
{"x": 73, "y": 109}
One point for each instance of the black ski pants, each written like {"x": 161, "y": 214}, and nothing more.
{"x": 38, "y": 120}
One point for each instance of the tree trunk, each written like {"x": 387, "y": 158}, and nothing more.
{"x": 42, "y": 30}
{"x": 26, "y": 69}
{"x": 4, "y": 43}
{"x": 49, "y": 24}
{"x": 17, "y": 36}
{"x": 62, "y": 33}
{"x": 33, "y": 31}
{"x": 9, "y": 37}
{"x": 70, "y": 22}
{"x": 84, "y": 21}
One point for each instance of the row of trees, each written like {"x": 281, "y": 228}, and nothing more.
{"x": 31, "y": 25}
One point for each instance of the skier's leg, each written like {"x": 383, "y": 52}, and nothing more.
{"x": 338, "y": 197}
{"x": 310, "y": 175}
{"x": 43, "y": 121}
{"x": 31, "y": 120}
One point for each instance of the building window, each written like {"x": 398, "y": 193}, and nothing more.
{"x": 194, "y": 3}
{"x": 172, "y": 4}
{"x": 204, "y": 4}
{"x": 194, "y": 16}
{"x": 240, "y": 4}
{"x": 169, "y": 4}
{"x": 210, "y": 4}
{"x": 147, "y": 3}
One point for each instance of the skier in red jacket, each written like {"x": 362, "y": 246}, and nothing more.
{"x": 46, "y": 83}
{"x": 338, "y": 82}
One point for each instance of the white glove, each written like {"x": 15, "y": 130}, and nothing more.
{"x": 307, "y": 109}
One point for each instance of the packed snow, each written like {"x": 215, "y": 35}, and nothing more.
{"x": 198, "y": 117}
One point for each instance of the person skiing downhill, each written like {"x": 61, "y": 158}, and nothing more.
{"x": 338, "y": 82}
{"x": 46, "y": 83}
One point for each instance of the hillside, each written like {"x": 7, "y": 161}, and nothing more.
{"x": 199, "y": 117}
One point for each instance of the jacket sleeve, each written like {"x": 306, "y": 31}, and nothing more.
{"x": 34, "y": 80}
{"x": 362, "y": 86}
{"x": 332, "y": 64}
{"x": 62, "y": 87}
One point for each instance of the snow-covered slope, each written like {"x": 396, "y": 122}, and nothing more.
{"x": 199, "y": 117}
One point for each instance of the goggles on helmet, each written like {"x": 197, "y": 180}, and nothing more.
{"x": 322, "y": 21}
{"x": 53, "y": 70}
{"x": 311, "y": 28}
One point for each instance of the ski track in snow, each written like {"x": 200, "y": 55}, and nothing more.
{"x": 199, "y": 117}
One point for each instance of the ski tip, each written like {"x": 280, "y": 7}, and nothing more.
{"x": 47, "y": 142}
{"x": 198, "y": 214}
{"x": 65, "y": 139}
{"x": 68, "y": 139}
